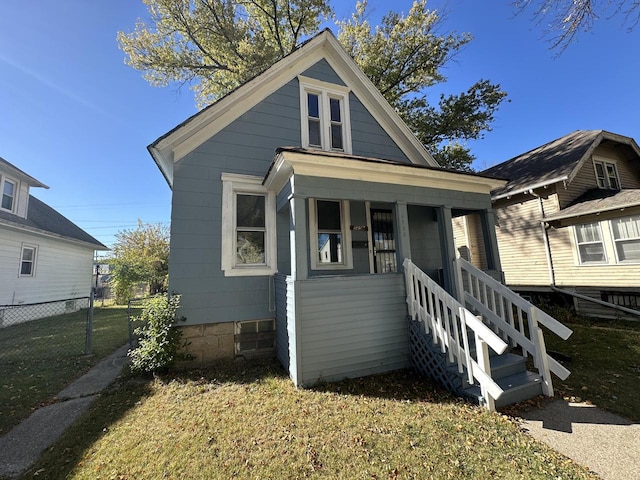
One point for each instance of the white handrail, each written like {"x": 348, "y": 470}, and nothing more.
{"x": 516, "y": 319}
{"x": 448, "y": 321}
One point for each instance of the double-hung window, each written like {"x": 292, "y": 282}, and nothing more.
{"x": 590, "y": 244}
{"x": 248, "y": 227}
{"x": 325, "y": 115}
{"x": 606, "y": 175}
{"x": 330, "y": 238}
{"x": 9, "y": 188}
{"x": 626, "y": 236}
{"x": 27, "y": 261}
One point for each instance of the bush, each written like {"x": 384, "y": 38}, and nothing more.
{"x": 159, "y": 340}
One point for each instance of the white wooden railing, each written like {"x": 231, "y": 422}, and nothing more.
{"x": 512, "y": 317}
{"x": 447, "y": 320}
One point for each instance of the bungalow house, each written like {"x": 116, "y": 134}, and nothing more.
{"x": 298, "y": 200}
{"x": 569, "y": 222}
{"x": 44, "y": 257}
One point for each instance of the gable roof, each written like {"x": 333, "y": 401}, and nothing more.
{"x": 599, "y": 200}
{"x": 194, "y": 131}
{"x": 556, "y": 161}
{"x": 41, "y": 218}
{"x": 19, "y": 174}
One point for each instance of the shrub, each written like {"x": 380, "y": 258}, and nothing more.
{"x": 159, "y": 340}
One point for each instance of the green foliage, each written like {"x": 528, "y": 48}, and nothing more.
{"x": 159, "y": 340}
{"x": 140, "y": 255}
{"x": 216, "y": 45}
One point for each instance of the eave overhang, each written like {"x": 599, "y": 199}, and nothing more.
{"x": 295, "y": 161}
{"x": 45, "y": 233}
{"x": 197, "y": 129}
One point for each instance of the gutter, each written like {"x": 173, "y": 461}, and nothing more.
{"x": 599, "y": 302}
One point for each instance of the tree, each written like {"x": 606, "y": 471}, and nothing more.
{"x": 216, "y": 45}
{"x": 566, "y": 18}
{"x": 140, "y": 255}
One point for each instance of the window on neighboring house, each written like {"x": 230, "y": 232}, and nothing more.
{"x": 330, "y": 237}
{"x": 626, "y": 236}
{"x": 606, "y": 175}
{"x": 27, "y": 261}
{"x": 248, "y": 226}
{"x": 325, "y": 115}
{"x": 8, "y": 194}
{"x": 590, "y": 245}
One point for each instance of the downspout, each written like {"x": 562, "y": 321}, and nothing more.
{"x": 545, "y": 238}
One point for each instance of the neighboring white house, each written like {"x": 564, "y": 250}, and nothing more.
{"x": 43, "y": 256}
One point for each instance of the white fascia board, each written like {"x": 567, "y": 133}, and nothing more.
{"x": 44, "y": 233}
{"x": 396, "y": 174}
{"x": 546, "y": 183}
{"x": 210, "y": 121}
{"x": 213, "y": 119}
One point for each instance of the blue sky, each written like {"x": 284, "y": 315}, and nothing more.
{"x": 75, "y": 117}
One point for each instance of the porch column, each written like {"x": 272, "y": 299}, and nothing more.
{"x": 403, "y": 246}
{"x": 490, "y": 241}
{"x": 447, "y": 247}
{"x": 298, "y": 238}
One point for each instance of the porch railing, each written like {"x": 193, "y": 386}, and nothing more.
{"x": 449, "y": 323}
{"x": 513, "y": 318}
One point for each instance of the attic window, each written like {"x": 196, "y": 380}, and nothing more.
{"x": 8, "y": 194}
{"x": 606, "y": 175}
{"x": 324, "y": 111}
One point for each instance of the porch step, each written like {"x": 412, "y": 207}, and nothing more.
{"x": 517, "y": 388}
{"x": 508, "y": 370}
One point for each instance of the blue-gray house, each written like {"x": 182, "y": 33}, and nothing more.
{"x": 296, "y": 199}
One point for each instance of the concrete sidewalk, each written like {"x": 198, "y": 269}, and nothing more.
{"x": 22, "y": 446}
{"x": 605, "y": 443}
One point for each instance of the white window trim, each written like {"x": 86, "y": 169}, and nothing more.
{"x": 345, "y": 217}
{"x": 604, "y": 162}
{"x": 233, "y": 184}
{"x": 33, "y": 262}
{"x": 16, "y": 188}
{"x": 325, "y": 91}
{"x": 578, "y": 243}
{"x": 615, "y": 244}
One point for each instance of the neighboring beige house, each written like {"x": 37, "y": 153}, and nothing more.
{"x": 568, "y": 221}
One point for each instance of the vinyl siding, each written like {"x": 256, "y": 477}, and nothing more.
{"x": 585, "y": 179}
{"x": 62, "y": 270}
{"x": 351, "y": 326}
{"x": 570, "y": 273}
{"x": 467, "y": 233}
{"x": 521, "y": 241}
{"x": 246, "y": 146}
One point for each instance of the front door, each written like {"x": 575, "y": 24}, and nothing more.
{"x": 384, "y": 244}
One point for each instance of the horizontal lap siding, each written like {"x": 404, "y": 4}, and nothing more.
{"x": 62, "y": 270}
{"x": 521, "y": 241}
{"x": 351, "y": 326}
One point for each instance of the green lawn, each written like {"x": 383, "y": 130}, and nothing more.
{"x": 40, "y": 358}
{"x": 605, "y": 364}
{"x": 247, "y": 420}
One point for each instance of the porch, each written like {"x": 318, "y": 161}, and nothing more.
{"x": 345, "y": 290}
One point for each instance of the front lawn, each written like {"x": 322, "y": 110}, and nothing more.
{"x": 604, "y": 365}
{"x": 247, "y": 420}
{"x": 40, "y": 358}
